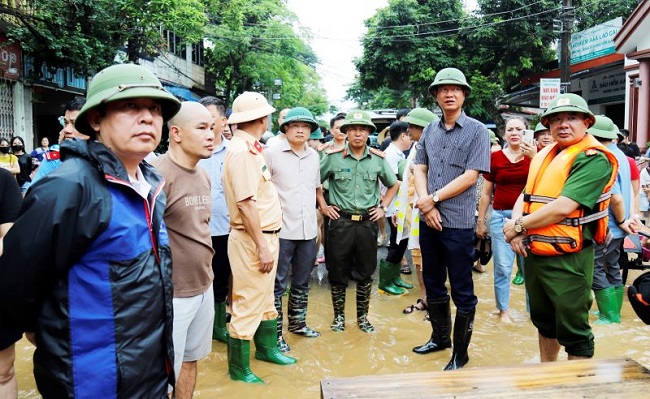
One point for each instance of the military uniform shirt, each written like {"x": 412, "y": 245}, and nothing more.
{"x": 354, "y": 183}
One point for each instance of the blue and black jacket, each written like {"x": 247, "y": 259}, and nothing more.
{"x": 87, "y": 266}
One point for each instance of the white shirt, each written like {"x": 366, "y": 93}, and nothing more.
{"x": 296, "y": 178}
{"x": 393, "y": 156}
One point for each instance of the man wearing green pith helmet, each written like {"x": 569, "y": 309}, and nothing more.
{"x": 294, "y": 168}
{"x": 94, "y": 279}
{"x": 557, "y": 221}
{"x": 353, "y": 173}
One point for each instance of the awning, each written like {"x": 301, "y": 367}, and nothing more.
{"x": 183, "y": 93}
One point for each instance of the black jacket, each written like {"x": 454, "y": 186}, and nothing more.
{"x": 87, "y": 266}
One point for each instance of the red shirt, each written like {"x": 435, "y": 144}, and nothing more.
{"x": 634, "y": 169}
{"x": 509, "y": 179}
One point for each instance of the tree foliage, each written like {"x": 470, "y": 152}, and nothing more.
{"x": 493, "y": 48}
{"x": 406, "y": 43}
{"x": 255, "y": 45}
{"x": 86, "y": 34}
{"x": 502, "y": 41}
{"x": 589, "y": 13}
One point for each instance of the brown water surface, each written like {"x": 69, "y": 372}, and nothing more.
{"x": 388, "y": 350}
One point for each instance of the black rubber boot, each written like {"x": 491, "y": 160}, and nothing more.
{"x": 363, "y": 304}
{"x": 282, "y": 344}
{"x": 440, "y": 318}
{"x": 464, "y": 325}
{"x": 298, "y": 313}
{"x": 338, "y": 302}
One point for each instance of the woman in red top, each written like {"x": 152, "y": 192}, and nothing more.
{"x": 506, "y": 180}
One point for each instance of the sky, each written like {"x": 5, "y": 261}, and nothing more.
{"x": 337, "y": 26}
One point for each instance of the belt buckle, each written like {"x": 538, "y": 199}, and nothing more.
{"x": 356, "y": 218}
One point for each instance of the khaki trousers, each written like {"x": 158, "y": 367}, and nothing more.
{"x": 252, "y": 291}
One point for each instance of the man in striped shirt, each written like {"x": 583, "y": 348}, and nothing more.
{"x": 451, "y": 154}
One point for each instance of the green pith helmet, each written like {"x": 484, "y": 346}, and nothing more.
{"x": 540, "y": 128}
{"x": 299, "y": 114}
{"x": 420, "y": 117}
{"x": 316, "y": 134}
{"x": 603, "y": 128}
{"x": 567, "y": 102}
{"x": 449, "y": 76}
{"x": 493, "y": 137}
{"x": 121, "y": 82}
{"x": 357, "y": 117}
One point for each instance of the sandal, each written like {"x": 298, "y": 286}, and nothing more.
{"x": 419, "y": 305}
{"x": 406, "y": 269}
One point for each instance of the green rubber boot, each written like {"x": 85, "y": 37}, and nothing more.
{"x": 607, "y": 302}
{"x": 387, "y": 274}
{"x": 519, "y": 277}
{"x": 266, "y": 348}
{"x": 398, "y": 278}
{"x": 219, "y": 330}
{"x": 620, "y": 293}
{"x": 239, "y": 352}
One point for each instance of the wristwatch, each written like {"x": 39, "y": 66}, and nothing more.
{"x": 435, "y": 198}
{"x": 519, "y": 225}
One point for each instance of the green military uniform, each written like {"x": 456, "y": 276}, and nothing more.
{"x": 353, "y": 182}
{"x": 559, "y": 300}
{"x": 352, "y": 238}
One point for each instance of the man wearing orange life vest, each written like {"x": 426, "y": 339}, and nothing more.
{"x": 557, "y": 220}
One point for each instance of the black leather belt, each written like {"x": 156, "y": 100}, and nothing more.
{"x": 271, "y": 231}
{"x": 354, "y": 217}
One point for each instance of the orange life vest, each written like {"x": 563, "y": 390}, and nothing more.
{"x": 548, "y": 172}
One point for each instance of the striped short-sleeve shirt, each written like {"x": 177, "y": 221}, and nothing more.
{"x": 448, "y": 154}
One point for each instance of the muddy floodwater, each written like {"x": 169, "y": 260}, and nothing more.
{"x": 388, "y": 350}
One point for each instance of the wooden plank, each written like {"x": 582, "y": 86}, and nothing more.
{"x": 589, "y": 378}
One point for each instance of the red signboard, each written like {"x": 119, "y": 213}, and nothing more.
{"x": 10, "y": 58}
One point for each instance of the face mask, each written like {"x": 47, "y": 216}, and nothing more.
{"x": 4, "y": 150}
{"x": 17, "y": 148}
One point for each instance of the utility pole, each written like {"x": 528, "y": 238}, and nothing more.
{"x": 565, "y": 40}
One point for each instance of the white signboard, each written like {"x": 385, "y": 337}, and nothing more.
{"x": 548, "y": 89}
{"x": 604, "y": 88}
{"x": 595, "y": 42}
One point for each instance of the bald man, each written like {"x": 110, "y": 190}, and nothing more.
{"x": 187, "y": 217}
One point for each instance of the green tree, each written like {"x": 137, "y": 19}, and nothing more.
{"x": 254, "y": 45}
{"x": 590, "y": 13}
{"x": 86, "y": 34}
{"x": 503, "y": 41}
{"x": 406, "y": 43}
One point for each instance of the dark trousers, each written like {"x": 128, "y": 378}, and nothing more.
{"x": 396, "y": 250}
{"x": 220, "y": 268}
{"x": 295, "y": 262}
{"x": 351, "y": 250}
{"x": 448, "y": 253}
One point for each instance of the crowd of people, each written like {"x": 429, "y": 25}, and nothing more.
{"x": 136, "y": 261}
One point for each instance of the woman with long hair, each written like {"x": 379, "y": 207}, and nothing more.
{"x": 506, "y": 180}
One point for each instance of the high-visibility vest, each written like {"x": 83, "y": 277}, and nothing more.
{"x": 549, "y": 170}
